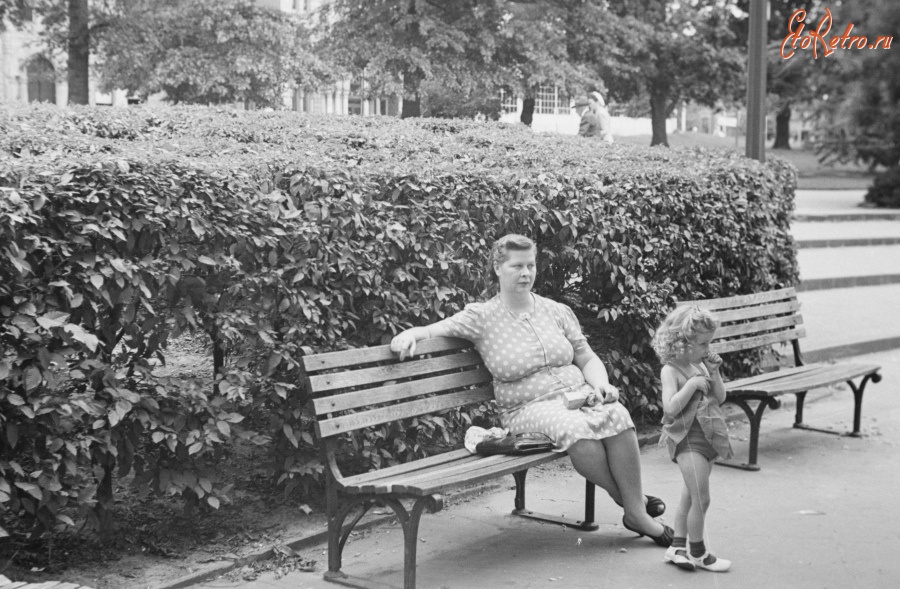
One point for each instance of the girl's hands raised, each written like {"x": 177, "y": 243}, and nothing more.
{"x": 700, "y": 383}
{"x": 712, "y": 361}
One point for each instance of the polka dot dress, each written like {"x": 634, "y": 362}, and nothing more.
{"x": 530, "y": 357}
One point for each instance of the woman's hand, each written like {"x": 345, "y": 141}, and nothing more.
{"x": 700, "y": 383}
{"x": 607, "y": 393}
{"x": 713, "y": 361}
{"x": 404, "y": 343}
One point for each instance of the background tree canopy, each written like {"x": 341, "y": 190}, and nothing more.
{"x": 202, "y": 52}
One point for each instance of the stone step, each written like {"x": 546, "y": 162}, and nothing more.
{"x": 848, "y": 266}
{"x": 837, "y": 205}
{"x": 844, "y": 322}
{"x": 846, "y": 233}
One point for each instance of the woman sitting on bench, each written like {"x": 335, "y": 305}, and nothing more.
{"x": 536, "y": 352}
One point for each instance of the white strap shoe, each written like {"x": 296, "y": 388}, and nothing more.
{"x": 679, "y": 557}
{"x": 720, "y": 565}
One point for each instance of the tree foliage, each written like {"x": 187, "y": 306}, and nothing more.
{"x": 209, "y": 52}
{"x": 863, "y": 106}
{"x": 663, "y": 52}
{"x": 397, "y": 45}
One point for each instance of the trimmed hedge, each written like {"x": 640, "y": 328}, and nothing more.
{"x": 272, "y": 231}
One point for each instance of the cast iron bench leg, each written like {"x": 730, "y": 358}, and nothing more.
{"x": 588, "y": 524}
{"x": 755, "y": 418}
{"x": 338, "y": 532}
{"x": 857, "y": 408}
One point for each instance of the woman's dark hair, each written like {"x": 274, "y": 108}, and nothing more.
{"x": 501, "y": 248}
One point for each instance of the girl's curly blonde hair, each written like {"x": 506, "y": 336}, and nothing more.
{"x": 679, "y": 329}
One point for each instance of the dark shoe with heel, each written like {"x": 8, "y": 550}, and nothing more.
{"x": 655, "y": 506}
{"x": 664, "y": 540}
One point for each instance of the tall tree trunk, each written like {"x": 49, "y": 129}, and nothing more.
{"x": 783, "y": 128}
{"x": 79, "y": 52}
{"x": 527, "y": 115}
{"x": 659, "y": 111}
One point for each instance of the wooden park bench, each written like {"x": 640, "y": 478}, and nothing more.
{"x": 361, "y": 388}
{"x": 757, "y": 320}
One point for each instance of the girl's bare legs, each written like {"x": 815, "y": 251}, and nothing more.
{"x": 695, "y": 469}
{"x": 681, "y": 514}
{"x": 614, "y": 464}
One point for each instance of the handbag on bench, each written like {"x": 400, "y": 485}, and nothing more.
{"x": 516, "y": 444}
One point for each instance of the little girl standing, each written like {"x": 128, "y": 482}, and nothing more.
{"x": 694, "y": 427}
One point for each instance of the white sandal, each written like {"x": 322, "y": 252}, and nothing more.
{"x": 720, "y": 565}
{"x": 679, "y": 557}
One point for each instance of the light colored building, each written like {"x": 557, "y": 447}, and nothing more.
{"x": 29, "y": 74}
{"x": 344, "y": 97}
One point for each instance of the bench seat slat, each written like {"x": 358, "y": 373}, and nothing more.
{"x": 405, "y": 467}
{"x": 350, "y": 358}
{"x": 475, "y": 465}
{"x": 736, "y": 329}
{"x": 837, "y": 374}
{"x": 366, "y": 484}
{"x": 508, "y": 465}
{"x": 370, "y": 376}
{"x": 722, "y": 347}
{"x": 461, "y": 466}
{"x": 759, "y": 378}
{"x": 825, "y": 374}
{"x": 398, "y": 392}
{"x": 348, "y": 423}
{"x": 742, "y": 300}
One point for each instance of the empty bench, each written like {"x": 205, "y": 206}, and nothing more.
{"x": 366, "y": 387}
{"x": 754, "y": 321}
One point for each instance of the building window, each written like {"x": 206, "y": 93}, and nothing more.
{"x": 41, "y": 80}
{"x": 546, "y": 101}
{"x": 508, "y": 101}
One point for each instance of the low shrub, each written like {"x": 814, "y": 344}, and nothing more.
{"x": 885, "y": 189}
{"x": 273, "y": 231}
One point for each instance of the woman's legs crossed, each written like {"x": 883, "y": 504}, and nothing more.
{"x": 590, "y": 461}
{"x": 695, "y": 469}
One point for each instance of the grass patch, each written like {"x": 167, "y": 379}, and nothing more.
{"x": 812, "y": 174}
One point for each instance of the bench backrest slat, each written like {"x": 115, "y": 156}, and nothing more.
{"x": 401, "y": 391}
{"x": 735, "y": 329}
{"x": 751, "y": 321}
{"x": 355, "y": 357}
{"x": 722, "y": 347}
{"x": 355, "y": 421}
{"x": 747, "y": 300}
{"x": 380, "y": 374}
